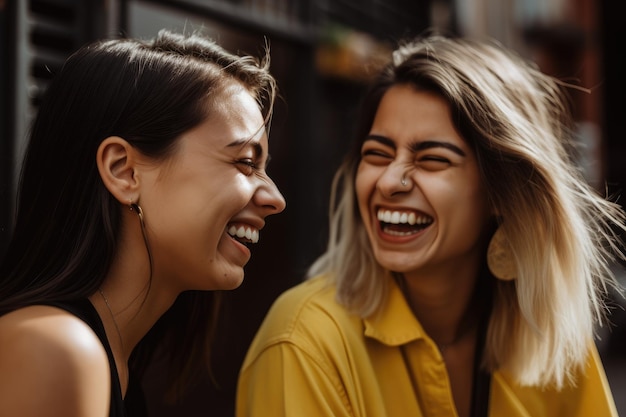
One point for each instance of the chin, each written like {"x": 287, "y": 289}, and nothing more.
{"x": 396, "y": 262}
{"x": 230, "y": 280}
{"x": 232, "y": 285}
{"x": 218, "y": 281}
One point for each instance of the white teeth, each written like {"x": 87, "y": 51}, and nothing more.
{"x": 397, "y": 217}
{"x": 242, "y": 232}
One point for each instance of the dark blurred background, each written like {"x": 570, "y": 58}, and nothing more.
{"x": 322, "y": 55}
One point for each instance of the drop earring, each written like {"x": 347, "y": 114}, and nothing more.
{"x": 500, "y": 257}
{"x": 137, "y": 209}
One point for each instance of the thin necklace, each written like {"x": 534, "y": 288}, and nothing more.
{"x": 119, "y": 334}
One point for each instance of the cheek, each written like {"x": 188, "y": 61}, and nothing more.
{"x": 363, "y": 186}
{"x": 476, "y": 196}
{"x": 469, "y": 207}
{"x": 365, "y": 181}
{"x": 457, "y": 200}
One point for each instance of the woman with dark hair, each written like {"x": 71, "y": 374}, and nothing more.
{"x": 144, "y": 178}
{"x": 467, "y": 263}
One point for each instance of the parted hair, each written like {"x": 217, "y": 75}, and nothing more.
{"x": 67, "y": 224}
{"x": 563, "y": 234}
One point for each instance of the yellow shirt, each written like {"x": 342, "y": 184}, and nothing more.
{"x": 312, "y": 358}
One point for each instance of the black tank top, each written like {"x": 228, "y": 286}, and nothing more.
{"x": 134, "y": 405}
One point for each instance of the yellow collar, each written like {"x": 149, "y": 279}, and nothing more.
{"x": 394, "y": 324}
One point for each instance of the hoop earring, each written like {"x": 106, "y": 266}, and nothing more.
{"x": 500, "y": 258}
{"x": 136, "y": 208}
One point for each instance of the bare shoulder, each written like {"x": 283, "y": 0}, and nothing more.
{"x": 52, "y": 364}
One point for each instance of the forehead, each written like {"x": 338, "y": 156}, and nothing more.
{"x": 235, "y": 104}
{"x": 234, "y": 123}
{"x": 406, "y": 112}
{"x": 235, "y": 118}
{"x": 407, "y": 102}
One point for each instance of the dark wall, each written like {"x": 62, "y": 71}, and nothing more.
{"x": 7, "y": 54}
{"x": 49, "y": 30}
{"x": 613, "y": 39}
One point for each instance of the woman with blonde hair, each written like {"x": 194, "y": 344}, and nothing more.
{"x": 468, "y": 260}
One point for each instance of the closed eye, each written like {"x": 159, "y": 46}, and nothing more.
{"x": 376, "y": 157}
{"x": 433, "y": 163}
{"x": 247, "y": 166}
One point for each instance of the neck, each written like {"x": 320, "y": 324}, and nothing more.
{"x": 112, "y": 315}
{"x": 447, "y": 309}
{"x": 466, "y": 331}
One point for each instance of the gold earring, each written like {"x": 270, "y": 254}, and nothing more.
{"x": 500, "y": 257}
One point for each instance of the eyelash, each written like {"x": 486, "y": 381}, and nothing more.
{"x": 249, "y": 165}
{"x": 373, "y": 152}
{"x": 424, "y": 159}
{"x": 435, "y": 159}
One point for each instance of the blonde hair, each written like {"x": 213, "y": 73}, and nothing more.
{"x": 562, "y": 234}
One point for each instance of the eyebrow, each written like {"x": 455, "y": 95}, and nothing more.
{"x": 256, "y": 146}
{"x": 418, "y": 145}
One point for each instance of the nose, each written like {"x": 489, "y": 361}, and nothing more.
{"x": 395, "y": 179}
{"x": 269, "y": 198}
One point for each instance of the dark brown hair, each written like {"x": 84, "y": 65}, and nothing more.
{"x": 67, "y": 224}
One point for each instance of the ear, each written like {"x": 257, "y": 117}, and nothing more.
{"x": 116, "y": 164}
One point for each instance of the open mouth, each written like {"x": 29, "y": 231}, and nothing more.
{"x": 402, "y": 223}
{"x": 244, "y": 234}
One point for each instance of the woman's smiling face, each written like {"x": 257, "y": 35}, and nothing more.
{"x": 205, "y": 205}
{"x": 437, "y": 219}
